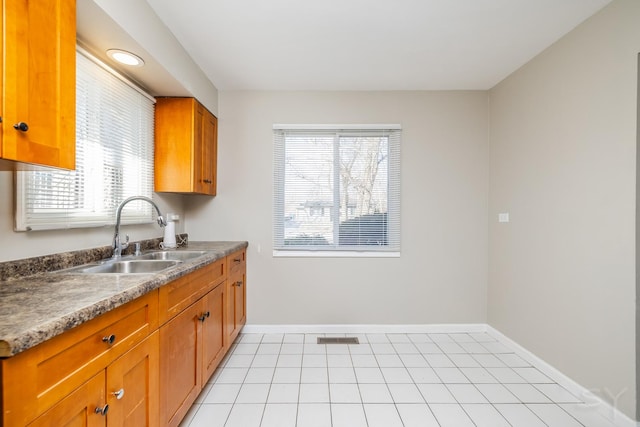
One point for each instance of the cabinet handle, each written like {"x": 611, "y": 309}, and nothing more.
{"x": 204, "y": 316}
{"x": 238, "y": 283}
{"x": 207, "y": 181}
{"x": 21, "y": 126}
{"x": 118, "y": 394}
{"x": 110, "y": 339}
{"x": 237, "y": 260}
{"x": 102, "y": 411}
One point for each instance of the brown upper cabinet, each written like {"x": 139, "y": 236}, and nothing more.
{"x": 39, "y": 83}
{"x": 186, "y": 147}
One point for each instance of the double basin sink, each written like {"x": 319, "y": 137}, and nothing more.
{"x": 150, "y": 262}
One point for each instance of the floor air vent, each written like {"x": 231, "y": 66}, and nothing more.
{"x": 338, "y": 340}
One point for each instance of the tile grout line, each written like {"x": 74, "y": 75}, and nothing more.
{"x": 395, "y": 404}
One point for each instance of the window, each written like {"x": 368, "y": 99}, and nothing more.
{"x": 337, "y": 190}
{"x": 114, "y": 158}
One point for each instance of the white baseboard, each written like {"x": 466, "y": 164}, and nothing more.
{"x": 365, "y": 329}
{"x": 603, "y": 407}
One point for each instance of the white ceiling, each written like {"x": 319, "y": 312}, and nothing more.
{"x": 367, "y": 44}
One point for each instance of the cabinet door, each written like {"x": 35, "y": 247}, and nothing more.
{"x": 39, "y": 82}
{"x": 199, "y": 185}
{"x": 230, "y": 326}
{"x": 174, "y": 139}
{"x": 132, "y": 386}
{"x": 235, "y": 306}
{"x": 213, "y": 332}
{"x": 206, "y": 149}
{"x": 241, "y": 300}
{"x": 209, "y": 152}
{"x": 236, "y": 296}
{"x": 239, "y": 297}
{"x": 180, "y": 364}
{"x": 78, "y": 409}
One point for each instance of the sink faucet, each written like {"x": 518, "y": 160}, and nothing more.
{"x": 117, "y": 246}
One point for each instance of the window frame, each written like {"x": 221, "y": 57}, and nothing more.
{"x": 392, "y": 249}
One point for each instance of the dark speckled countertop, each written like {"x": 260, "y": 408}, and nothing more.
{"x": 37, "y": 307}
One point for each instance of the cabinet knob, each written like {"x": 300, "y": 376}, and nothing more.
{"x": 102, "y": 411}
{"x": 204, "y": 316}
{"x": 118, "y": 394}
{"x": 21, "y": 126}
{"x": 238, "y": 283}
{"x": 109, "y": 339}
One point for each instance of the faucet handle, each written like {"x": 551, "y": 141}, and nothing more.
{"x": 125, "y": 245}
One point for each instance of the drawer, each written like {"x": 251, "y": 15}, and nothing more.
{"x": 237, "y": 261}
{"x": 38, "y": 378}
{"x": 181, "y": 293}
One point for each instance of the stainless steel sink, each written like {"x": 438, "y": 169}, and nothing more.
{"x": 171, "y": 255}
{"x": 136, "y": 266}
{"x": 147, "y": 263}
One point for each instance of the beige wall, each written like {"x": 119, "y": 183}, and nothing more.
{"x": 441, "y": 274}
{"x": 563, "y": 164}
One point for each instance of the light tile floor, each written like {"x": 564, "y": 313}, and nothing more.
{"x": 388, "y": 380}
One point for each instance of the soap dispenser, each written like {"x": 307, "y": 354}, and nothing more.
{"x": 169, "y": 240}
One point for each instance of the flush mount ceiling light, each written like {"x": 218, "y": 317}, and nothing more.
{"x": 126, "y": 58}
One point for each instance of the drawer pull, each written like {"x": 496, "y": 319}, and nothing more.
{"x": 238, "y": 283}
{"x": 237, "y": 260}
{"x": 118, "y": 394}
{"x": 204, "y": 316}
{"x": 102, "y": 411}
{"x": 110, "y": 339}
{"x": 21, "y": 126}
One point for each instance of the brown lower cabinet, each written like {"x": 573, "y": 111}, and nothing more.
{"x": 131, "y": 393}
{"x": 142, "y": 364}
{"x": 191, "y": 348}
{"x": 191, "y": 344}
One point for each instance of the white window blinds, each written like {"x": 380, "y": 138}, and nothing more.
{"x": 337, "y": 188}
{"x": 114, "y": 158}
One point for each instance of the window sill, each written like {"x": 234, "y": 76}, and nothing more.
{"x": 334, "y": 254}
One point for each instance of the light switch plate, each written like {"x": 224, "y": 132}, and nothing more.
{"x": 503, "y": 217}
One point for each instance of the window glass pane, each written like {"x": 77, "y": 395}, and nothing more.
{"x": 363, "y": 198}
{"x": 308, "y": 194}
